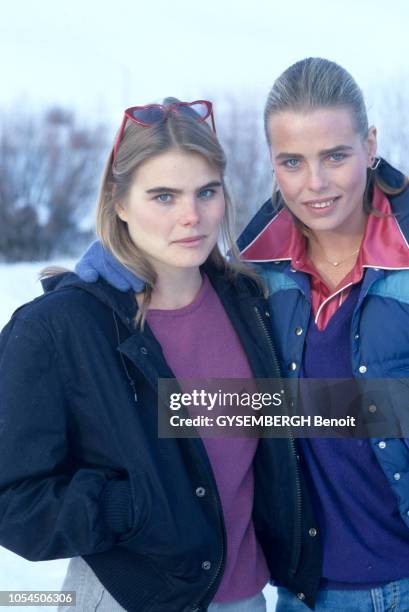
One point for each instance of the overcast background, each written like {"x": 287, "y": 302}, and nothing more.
{"x": 100, "y": 57}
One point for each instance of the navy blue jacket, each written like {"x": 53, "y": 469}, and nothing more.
{"x": 84, "y": 473}
{"x": 379, "y": 335}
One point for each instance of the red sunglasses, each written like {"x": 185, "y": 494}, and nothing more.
{"x": 148, "y": 115}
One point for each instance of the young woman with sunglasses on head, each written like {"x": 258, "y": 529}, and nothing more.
{"x": 333, "y": 248}
{"x": 151, "y": 524}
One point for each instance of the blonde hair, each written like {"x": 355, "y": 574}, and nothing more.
{"x": 314, "y": 83}
{"x": 179, "y": 131}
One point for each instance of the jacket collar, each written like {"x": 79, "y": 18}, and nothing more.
{"x": 239, "y": 299}
{"x": 124, "y": 303}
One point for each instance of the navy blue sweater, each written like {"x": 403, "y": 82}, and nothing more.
{"x": 365, "y": 541}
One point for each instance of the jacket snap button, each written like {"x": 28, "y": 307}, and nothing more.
{"x": 144, "y": 351}
{"x": 200, "y": 491}
{"x": 396, "y": 476}
{"x": 356, "y": 336}
{"x": 301, "y": 596}
{"x": 298, "y": 331}
{"x": 206, "y": 565}
{"x": 267, "y": 313}
{"x": 382, "y": 444}
{"x": 292, "y": 366}
{"x": 372, "y": 408}
{"x": 312, "y": 532}
{"x": 362, "y": 369}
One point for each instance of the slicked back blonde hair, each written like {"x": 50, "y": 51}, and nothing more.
{"x": 315, "y": 83}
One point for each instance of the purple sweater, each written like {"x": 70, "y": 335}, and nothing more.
{"x": 365, "y": 541}
{"x": 199, "y": 341}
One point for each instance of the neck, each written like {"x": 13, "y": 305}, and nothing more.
{"x": 334, "y": 253}
{"x": 336, "y": 245}
{"x": 176, "y": 289}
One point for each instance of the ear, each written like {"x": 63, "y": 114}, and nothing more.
{"x": 371, "y": 144}
{"x": 121, "y": 212}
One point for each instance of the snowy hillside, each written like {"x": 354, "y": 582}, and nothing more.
{"x": 18, "y": 284}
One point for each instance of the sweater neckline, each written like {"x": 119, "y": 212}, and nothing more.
{"x": 184, "y": 310}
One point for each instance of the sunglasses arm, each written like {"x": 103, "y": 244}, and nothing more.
{"x": 213, "y": 123}
{"x": 119, "y": 138}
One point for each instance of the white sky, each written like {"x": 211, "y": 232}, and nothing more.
{"x": 100, "y": 56}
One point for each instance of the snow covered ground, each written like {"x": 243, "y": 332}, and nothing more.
{"x": 19, "y": 284}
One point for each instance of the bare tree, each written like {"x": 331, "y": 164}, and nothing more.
{"x": 241, "y": 133}
{"x": 389, "y": 110}
{"x": 49, "y": 168}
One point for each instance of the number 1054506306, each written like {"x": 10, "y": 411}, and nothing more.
{"x": 37, "y": 598}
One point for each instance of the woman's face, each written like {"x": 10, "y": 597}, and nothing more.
{"x": 320, "y": 162}
{"x": 174, "y": 210}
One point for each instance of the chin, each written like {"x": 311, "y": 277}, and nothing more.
{"x": 323, "y": 225}
{"x": 189, "y": 262}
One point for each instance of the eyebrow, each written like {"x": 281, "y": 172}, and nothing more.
{"x": 340, "y": 148}
{"x": 179, "y": 191}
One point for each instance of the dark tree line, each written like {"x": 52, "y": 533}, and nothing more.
{"x": 49, "y": 170}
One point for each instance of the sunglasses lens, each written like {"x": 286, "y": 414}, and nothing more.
{"x": 199, "y": 110}
{"x": 148, "y": 115}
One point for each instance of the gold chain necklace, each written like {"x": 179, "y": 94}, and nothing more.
{"x": 339, "y": 262}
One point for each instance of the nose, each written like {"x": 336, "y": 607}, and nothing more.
{"x": 317, "y": 178}
{"x": 189, "y": 213}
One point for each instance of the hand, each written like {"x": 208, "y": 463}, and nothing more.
{"x": 98, "y": 261}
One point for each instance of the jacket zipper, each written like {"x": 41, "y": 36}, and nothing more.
{"x": 297, "y": 531}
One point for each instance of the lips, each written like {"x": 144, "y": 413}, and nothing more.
{"x": 189, "y": 240}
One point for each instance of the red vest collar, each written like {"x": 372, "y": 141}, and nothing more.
{"x": 383, "y": 246}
